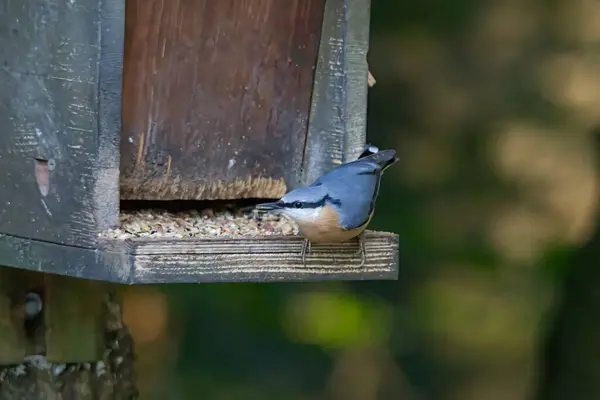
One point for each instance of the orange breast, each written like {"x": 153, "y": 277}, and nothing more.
{"x": 328, "y": 230}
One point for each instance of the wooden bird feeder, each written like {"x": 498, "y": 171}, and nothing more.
{"x": 113, "y": 100}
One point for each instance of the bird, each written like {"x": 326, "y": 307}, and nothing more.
{"x": 339, "y": 205}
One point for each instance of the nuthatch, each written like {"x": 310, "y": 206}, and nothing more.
{"x": 339, "y": 205}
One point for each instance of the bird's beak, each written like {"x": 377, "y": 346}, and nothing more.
{"x": 269, "y": 206}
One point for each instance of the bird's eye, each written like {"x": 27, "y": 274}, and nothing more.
{"x": 297, "y": 204}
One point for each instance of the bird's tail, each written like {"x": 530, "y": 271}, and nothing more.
{"x": 385, "y": 158}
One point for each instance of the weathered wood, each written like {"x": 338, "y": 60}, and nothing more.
{"x": 74, "y": 315}
{"x": 110, "y": 82}
{"x": 13, "y": 346}
{"x": 68, "y": 327}
{"x": 59, "y": 62}
{"x": 41, "y": 256}
{"x": 216, "y": 97}
{"x": 112, "y": 377}
{"x": 358, "y": 16}
{"x": 22, "y": 330}
{"x": 260, "y": 259}
{"x": 219, "y": 259}
{"x": 337, "y": 124}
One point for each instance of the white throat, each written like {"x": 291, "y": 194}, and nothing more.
{"x": 304, "y": 214}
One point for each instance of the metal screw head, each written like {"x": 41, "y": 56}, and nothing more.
{"x": 33, "y": 305}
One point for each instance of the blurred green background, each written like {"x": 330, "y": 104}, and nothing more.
{"x": 492, "y": 107}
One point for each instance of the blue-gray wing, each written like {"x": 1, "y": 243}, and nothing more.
{"x": 352, "y": 189}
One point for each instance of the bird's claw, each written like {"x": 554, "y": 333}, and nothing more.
{"x": 305, "y": 248}
{"x": 362, "y": 250}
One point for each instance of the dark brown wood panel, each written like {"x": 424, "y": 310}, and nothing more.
{"x": 216, "y": 96}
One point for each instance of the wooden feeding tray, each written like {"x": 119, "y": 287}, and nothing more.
{"x": 109, "y": 101}
{"x": 229, "y": 245}
{"x": 155, "y": 246}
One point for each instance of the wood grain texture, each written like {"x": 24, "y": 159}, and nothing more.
{"x": 337, "y": 124}
{"x": 244, "y": 259}
{"x": 13, "y": 343}
{"x": 107, "y": 264}
{"x": 74, "y": 316}
{"x": 54, "y": 56}
{"x": 110, "y": 83}
{"x": 261, "y": 259}
{"x": 216, "y": 97}
{"x": 69, "y": 327}
{"x": 111, "y": 378}
{"x": 358, "y": 14}
{"x": 19, "y": 337}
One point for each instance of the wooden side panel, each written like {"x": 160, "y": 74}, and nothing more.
{"x": 337, "y": 126}
{"x": 216, "y": 97}
{"x": 51, "y": 53}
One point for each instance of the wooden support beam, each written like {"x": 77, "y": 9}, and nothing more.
{"x": 49, "y": 315}
{"x": 13, "y": 346}
{"x": 74, "y": 317}
{"x": 37, "y": 378}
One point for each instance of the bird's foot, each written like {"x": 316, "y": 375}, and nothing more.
{"x": 305, "y": 249}
{"x": 362, "y": 250}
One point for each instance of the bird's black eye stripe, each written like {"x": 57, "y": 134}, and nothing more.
{"x": 320, "y": 203}
{"x": 331, "y": 200}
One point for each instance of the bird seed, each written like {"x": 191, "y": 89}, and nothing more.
{"x": 205, "y": 223}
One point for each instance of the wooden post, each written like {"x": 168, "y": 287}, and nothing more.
{"x": 13, "y": 346}
{"x": 75, "y": 347}
{"x": 74, "y": 314}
